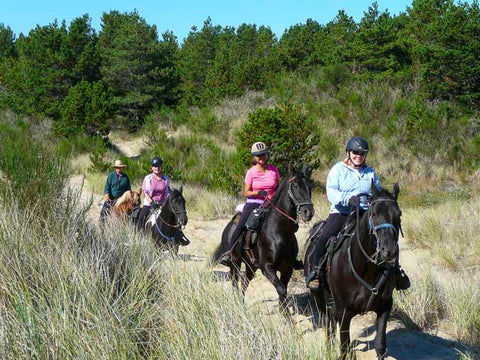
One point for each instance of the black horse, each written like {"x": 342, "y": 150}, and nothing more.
{"x": 360, "y": 275}
{"x": 165, "y": 223}
{"x": 276, "y": 247}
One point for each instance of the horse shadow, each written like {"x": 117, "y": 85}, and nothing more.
{"x": 416, "y": 344}
{"x": 189, "y": 257}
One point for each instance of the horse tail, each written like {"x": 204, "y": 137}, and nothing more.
{"x": 217, "y": 254}
{"x": 223, "y": 246}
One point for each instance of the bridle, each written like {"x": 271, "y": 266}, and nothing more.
{"x": 177, "y": 226}
{"x": 298, "y": 204}
{"x": 374, "y": 257}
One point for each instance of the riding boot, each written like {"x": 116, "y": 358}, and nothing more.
{"x": 184, "y": 240}
{"x": 298, "y": 264}
{"x": 402, "y": 282}
{"x": 313, "y": 279}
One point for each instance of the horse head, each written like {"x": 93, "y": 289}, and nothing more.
{"x": 384, "y": 221}
{"x": 136, "y": 197}
{"x": 300, "y": 192}
{"x": 176, "y": 201}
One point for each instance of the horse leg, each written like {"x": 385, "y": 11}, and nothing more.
{"x": 285, "y": 278}
{"x": 344, "y": 320}
{"x": 234, "y": 274}
{"x": 269, "y": 272}
{"x": 249, "y": 273}
{"x": 380, "y": 342}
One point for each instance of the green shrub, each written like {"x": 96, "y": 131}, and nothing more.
{"x": 287, "y": 131}
{"x": 31, "y": 172}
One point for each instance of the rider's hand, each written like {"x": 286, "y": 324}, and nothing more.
{"x": 107, "y": 198}
{"x": 354, "y": 201}
{"x": 154, "y": 204}
{"x": 262, "y": 193}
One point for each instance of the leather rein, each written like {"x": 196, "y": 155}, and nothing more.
{"x": 297, "y": 203}
{"x": 374, "y": 257}
{"x": 177, "y": 226}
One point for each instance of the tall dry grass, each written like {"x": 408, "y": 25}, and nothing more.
{"x": 70, "y": 290}
{"x": 446, "y": 276}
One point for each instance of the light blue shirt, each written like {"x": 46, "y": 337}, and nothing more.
{"x": 344, "y": 181}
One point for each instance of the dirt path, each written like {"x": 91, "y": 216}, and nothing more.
{"x": 205, "y": 236}
{"x": 402, "y": 344}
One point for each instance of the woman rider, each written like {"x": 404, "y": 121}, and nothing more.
{"x": 155, "y": 188}
{"x": 261, "y": 181}
{"x": 346, "y": 180}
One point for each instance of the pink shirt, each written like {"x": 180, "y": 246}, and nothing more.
{"x": 258, "y": 180}
{"x": 156, "y": 189}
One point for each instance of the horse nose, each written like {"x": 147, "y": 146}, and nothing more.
{"x": 307, "y": 213}
{"x": 389, "y": 251}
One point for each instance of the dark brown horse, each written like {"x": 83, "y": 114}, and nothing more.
{"x": 165, "y": 223}
{"x": 360, "y": 275}
{"x": 277, "y": 247}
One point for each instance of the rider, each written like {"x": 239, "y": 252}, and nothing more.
{"x": 346, "y": 180}
{"x": 116, "y": 185}
{"x": 261, "y": 181}
{"x": 155, "y": 188}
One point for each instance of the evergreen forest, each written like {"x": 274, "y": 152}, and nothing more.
{"x": 409, "y": 83}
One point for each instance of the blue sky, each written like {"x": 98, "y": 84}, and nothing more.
{"x": 180, "y": 15}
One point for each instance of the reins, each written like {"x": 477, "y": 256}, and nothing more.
{"x": 176, "y": 226}
{"x": 374, "y": 257}
{"x": 297, "y": 204}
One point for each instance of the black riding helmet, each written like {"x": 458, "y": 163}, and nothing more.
{"x": 156, "y": 161}
{"x": 357, "y": 143}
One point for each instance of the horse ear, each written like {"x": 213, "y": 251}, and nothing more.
{"x": 181, "y": 189}
{"x": 374, "y": 188}
{"x": 396, "y": 190}
{"x": 304, "y": 168}
{"x": 291, "y": 168}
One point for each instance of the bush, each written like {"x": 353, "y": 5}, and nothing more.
{"x": 287, "y": 131}
{"x": 86, "y": 110}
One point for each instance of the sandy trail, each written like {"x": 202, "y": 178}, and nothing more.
{"x": 205, "y": 236}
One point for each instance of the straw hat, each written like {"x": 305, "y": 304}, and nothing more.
{"x": 119, "y": 164}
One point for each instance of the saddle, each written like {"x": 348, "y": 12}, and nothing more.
{"x": 249, "y": 237}
{"x": 334, "y": 244}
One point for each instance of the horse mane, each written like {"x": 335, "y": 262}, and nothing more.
{"x": 126, "y": 202}
{"x": 285, "y": 181}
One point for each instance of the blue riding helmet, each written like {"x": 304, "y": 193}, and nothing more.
{"x": 357, "y": 143}
{"x": 156, "y": 161}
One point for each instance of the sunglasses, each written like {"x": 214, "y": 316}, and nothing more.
{"x": 359, "y": 153}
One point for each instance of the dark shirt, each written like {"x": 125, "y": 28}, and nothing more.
{"x": 116, "y": 186}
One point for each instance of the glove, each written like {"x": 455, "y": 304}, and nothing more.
{"x": 354, "y": 201}
{"x": 107, "y": 198}
{"x": 262, "y": 193}
{"x": 154, "y": 204}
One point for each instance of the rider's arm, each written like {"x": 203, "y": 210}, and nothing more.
{"x": 335, "y": 195}
{"x": 145, "y": 189}
{"x": 248, "y": 192}
{"x": 107, "y": 190}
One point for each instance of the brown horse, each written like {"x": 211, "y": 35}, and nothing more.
{"x": 276, "y": 248}
{"x": 126, "y": 203}
{"x": 360, "y": 275}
